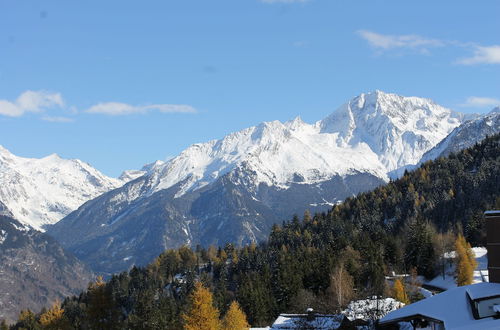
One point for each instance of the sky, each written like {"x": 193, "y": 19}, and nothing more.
{"x": 119, "y": 84}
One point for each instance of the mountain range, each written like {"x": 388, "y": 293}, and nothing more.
{"x": 234, "y": 189}
{"x": 231, "y": 190}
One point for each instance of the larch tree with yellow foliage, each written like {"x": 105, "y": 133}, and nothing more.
{"x": 465, "y": 262}
{"x": 54, "y": 319}
{"x": 201, "y": 314}
{"x": 399, "y": 292}
{"x": 235, "y": 318}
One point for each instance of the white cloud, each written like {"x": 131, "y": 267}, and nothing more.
{"x": 386, "y": 42}
{"x": 118, "y": 108}
{"x": 480, "y": 102}
{"x": 483, "y": 55}
{"x": 30, "y": 101}
{"x": 409, "y": 41}
{"x": 58, "y": 119}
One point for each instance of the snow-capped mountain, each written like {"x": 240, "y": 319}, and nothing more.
{"x": 466, "y": 135}
{"x": 235, "y": 188}
{"x": 398, "y": 129}
{"x": 42, "y": 191}
{"x": 375, "y": 133}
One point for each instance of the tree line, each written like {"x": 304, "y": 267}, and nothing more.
{"x": 321, "y": 261}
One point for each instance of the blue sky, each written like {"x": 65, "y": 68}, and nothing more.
{"x": 122, "y": 83}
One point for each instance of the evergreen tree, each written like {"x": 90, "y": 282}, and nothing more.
{"x": 420, "y": 251}
{"x": 27, "y": 320}
{"x": 201, "y": 314}
{"x": 102, "y": 312}
{"x": 235, "y": 318}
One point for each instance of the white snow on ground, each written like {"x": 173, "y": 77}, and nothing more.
{"x": 3, "y": 236}
{"x": 480, "y": 273}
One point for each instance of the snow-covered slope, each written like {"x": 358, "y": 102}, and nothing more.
{"x": 277, "y": 153}
{"x": 42, "y": 191}
{"x": 466, "y": 135}
{"x": 130, "y": 175}
{"x": 375, "y": 133}
{"x": 398, "y": 129}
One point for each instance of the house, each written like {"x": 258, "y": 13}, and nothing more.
{"x": 475, "y": 306}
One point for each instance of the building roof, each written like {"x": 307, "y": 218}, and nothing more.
{"x": 300, "y": 321}
{"x": 492, "y": 213}
{"x": 452, "y": 307}
{"x": 485, "y": 290}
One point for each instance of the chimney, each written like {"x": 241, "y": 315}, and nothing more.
{"x": 493, "y": 244}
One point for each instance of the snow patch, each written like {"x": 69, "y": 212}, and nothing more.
{"x": 3, "y": 236}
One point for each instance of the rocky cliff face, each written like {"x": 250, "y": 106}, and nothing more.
{"x": 34, "y": 269}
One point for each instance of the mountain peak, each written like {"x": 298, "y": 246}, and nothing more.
{"x": 494, "y": 111}
{"x": 397, "y": 128}
{"x": 52, "y": 156}
{"x": 42, "y": 191}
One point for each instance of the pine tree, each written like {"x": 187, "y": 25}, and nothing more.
{"x": 54, "y": 319}
{"x": 102, "y": 312}
{"x": 3, "y": 325}
{"x": 235, "y": 318}
{"x": 399, "y": 292}
{"x": 201, "y": 314}
{"x": 27, "y": 320}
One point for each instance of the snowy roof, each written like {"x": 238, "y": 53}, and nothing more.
{"x": 492, "y": 212}
{"x": 452, "y": 307}
{"x": 300, "y": 321}
{"x": 486, "y": 290}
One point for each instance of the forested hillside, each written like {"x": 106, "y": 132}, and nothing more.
{"x": 401, "y": 226}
